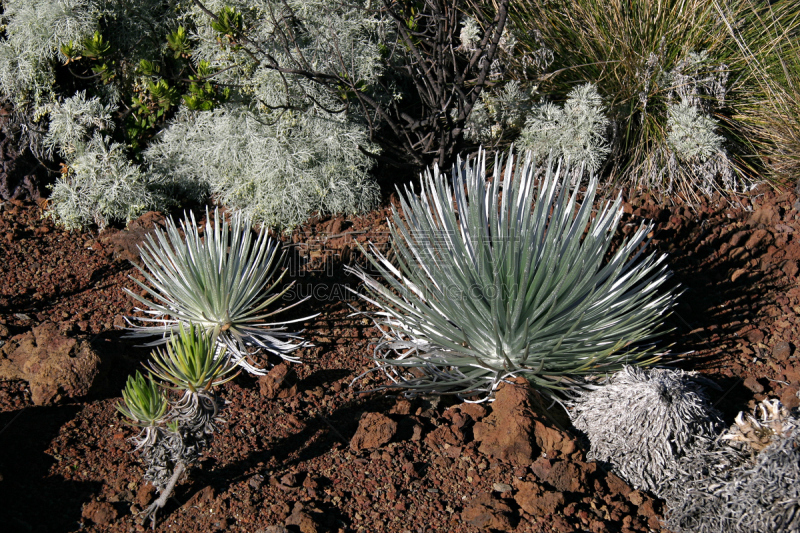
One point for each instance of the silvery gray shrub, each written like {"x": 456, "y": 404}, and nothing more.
{"x": 499, "y": 113}
{"x": 35, "y": 30}
{"x": 101, "y": 185}
{"x": 275, "y": 170}
{"x": 576, "y": 131}
{"x": 302, "y": 152}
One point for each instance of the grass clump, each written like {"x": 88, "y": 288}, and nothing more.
{"x": 681, "y": 82}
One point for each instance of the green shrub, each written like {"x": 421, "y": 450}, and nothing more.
{"x": 492, "y": 280}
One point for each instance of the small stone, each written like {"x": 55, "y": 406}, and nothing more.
{"x": 486, "y": 512}
{"x": 789, "y": 397}
{"x": 280, "y": 382}
{"x": 738, "y": 273}
{"x": 101, "y": 513}
{"x": 755, "y": 336}
{"x": 401, "y": 407}
{"x": 200, "y": 498}
{"x": 636, "y": 497}
{"x": 536, "y": 502}
{"x": 782, "y": 351}
{"x": 444, "y": 436}
{"x": 758, "y": 239}
{"x": 144, "y": 495}
{"x": 374, "y": 430}
{"x": 301, "y": 518}
{"x": 473, "y": 410}
{"x": 751, "y": 383}
{"x": 501, "y": 487}
{"x": 54, "y": 365}
{"x": 616, "y": 485}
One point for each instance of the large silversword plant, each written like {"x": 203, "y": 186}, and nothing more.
{"x": 511, "y": 277}
{"x": 223, "y": 282}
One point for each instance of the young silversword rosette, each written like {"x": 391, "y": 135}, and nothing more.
{"x": 506, "y": 278}
{"x": 144, "y": 405}
{"x": 221, "y": 282}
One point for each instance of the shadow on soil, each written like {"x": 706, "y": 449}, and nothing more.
{"x": 32, "y": 499}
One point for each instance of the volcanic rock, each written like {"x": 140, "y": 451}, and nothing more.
{"x": 101, "y": 513}
{"x": 54, "y": 365}
{"x": 516, "y": 431}
{"x": 280, "y": 382}
{"x": 374, "y": 430}
{"x": 487, "y": 512}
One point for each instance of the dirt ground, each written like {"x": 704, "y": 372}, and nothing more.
{"x": 302, "y": 450}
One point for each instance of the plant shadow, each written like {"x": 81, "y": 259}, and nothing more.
{"x": 28, "y": 487}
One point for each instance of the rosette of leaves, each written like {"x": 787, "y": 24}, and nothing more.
{"x": 145, "y": 405}
{"x": 512, "y": 277}
{"x": 193, "y": 364}
{"x": 223, "y": 282}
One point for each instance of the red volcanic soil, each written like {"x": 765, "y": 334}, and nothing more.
{"x": 301, "y": 450}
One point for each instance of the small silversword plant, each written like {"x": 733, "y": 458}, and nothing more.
{"x": 145, "y": 406}
{"x": 175, "y": 431}
{"x": 222, "y": 283}
{"x": 511, "y": 277}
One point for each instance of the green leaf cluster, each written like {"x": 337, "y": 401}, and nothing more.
{"x": 203, "y": 96}
{"x": 228, "y": 24}
{"x": 178, "y": 42}
{"x": 191, "y": 361}
{"x": 144, "y": 401}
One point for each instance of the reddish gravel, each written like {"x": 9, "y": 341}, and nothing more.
{"x": 302, "y": 451}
